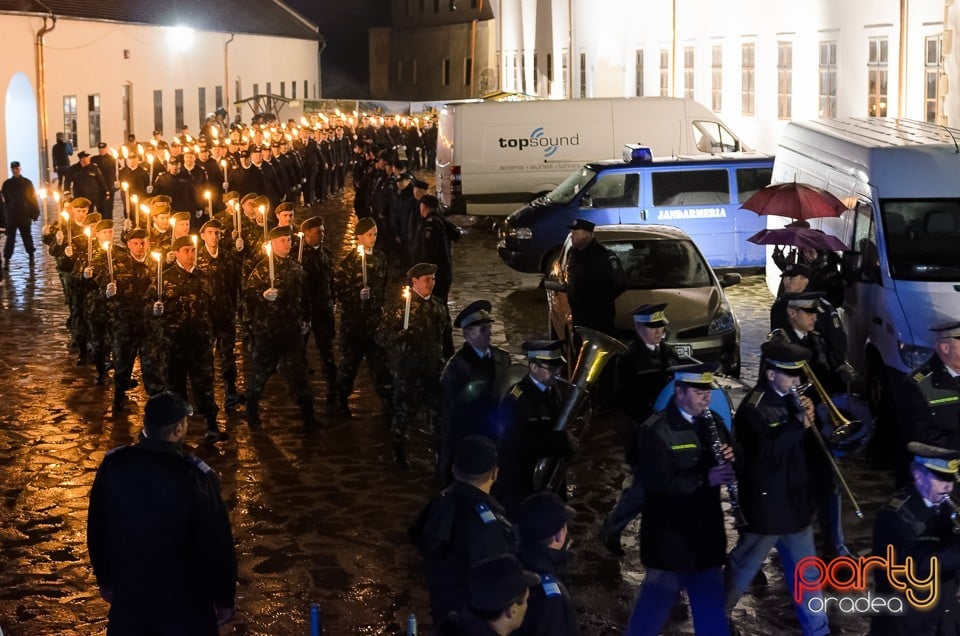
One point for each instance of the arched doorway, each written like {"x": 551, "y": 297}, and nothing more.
{"x": 20, "y": 115}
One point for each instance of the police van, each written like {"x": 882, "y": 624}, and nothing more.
{"x": 899, "y": 180}
{"x": 699, "y": 194}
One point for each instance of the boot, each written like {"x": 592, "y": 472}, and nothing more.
{"x": 400, "y": 455}
{"x": 253, "y": 414}
{"x": 306, "y": 410}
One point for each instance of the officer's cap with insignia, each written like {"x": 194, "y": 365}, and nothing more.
{"x": 430, "y": 201}
{"x": 542, "y": 515}
{"x": 180, "y": 216}
{"x": 135, "y": 233}
{"x": 650, "y": 315}
{"x": 476, "y": 313}
{"x": 183, "y": 241}
{"x": 102, "y": 144}
{"x": 163, "y": 410}
{"x": 583, "y": 224}
{"x": 249, "y": 196}
{"x": 807, "y": 301}
{"x": 80, "y": 203}
{"x": 699, "y": 376}
{"x": 795, "y": 269}
{"x": 245, "y": 153}
{"x": 549, "y": 352}
{"x": 105, "y": 224}
{"x": 283, "y": 207}
{"x": 943, "y": 462}
{"x": 475, "y": 455}
{"x": 421, "y": 269}
{"x": 175, "y": 159}
{"x": 312, "y": 222}
{"x": 785, "y": 357}
{"x": 494, "y": 583}
{"x": 364, "y": 225}
{"x": 92, "y": 219}
{"x": 279, "y": 232}
{"x": 213, "y": 224}
{"x": 83, "y": 154}
{"x": 949, "y": 329}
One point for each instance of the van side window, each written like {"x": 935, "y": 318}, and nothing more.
{"x": 750, "y": 180}
{"x": 614, "y": 190}
{"x": 865, "y": 242}
{"x": 690, "y": 187}
{"x": 714, "y": 137}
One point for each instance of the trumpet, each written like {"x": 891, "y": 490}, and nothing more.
{"x": 843, "y": 426}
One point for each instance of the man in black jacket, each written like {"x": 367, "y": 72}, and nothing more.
{"x": 158, "y": 533}
{"x": 592, "y": 284}
{"x": 86, "y": 180}
{"x": 18, "y": 201}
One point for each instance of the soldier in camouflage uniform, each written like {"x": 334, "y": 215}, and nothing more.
{"x": 361, "y": 310}
{"x": 59, "y": 240}
{"x": 317, "y": 262}
{"x": 180, "y": 226}
{"x": 160, "y": 232}
{"x": 416, "y": 355}
{"x": 186, "y": 303}
{"x": 82, "y": 286}
{"x": 95, "y": 305}
{"x": 127, "y": 301}
{"x": 220, "y": 260}
{"x": 276, "y": 317}
{"x": 251, "y": 232}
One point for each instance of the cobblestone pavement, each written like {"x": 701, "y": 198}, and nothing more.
{"x": 318, "y": 517}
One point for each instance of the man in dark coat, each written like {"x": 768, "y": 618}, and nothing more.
{"x": 431, "y": 243}
{"x": 470, "y": 382}
{"x": 929, "y": 408}
{"x": 317, "y": 262}
{"x": 61, "y": 152}
{"x": 158, "y": 533}
{"x": 178, "y": 186}
{"x": 19, "y": 203}
{"x": 772, "y": 427}
{"x": 86, "y": 180}
{"x": 592, "y": 283}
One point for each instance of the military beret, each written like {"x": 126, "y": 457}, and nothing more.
{"x": 183, "y": 241}
{"x": 544, "y": 351}
{"x": 135, "y": 233}
{"x": 162, "y": 198}
{"x": 364, "y": 225}
{"x": 785, "y": 357}
{"x": 159, "y": 207}
{"x": 312, "y": 222}
{"x": 949, "y": 329}
{"x": 495, "y": 582}
{"x": 475, "y": 455}
{"x": 165, "y": 409}
{"x": 249, "y": 196}
{"x": 417, "y": 183}
{"x": 105, "y": 224}
{"x": 583, "y": 224}
{"x": 180, "y": 216}
{"x": 542, "y": 515}
{"x": 230, "y": 196}
{"x": 421, "y": 269}
{"x": 92, "y": 218}
{"x": 80, "y": 203}
{"x": 795, "y": 269}
{"x": 696, "y": 375}
{"x": 650, "y": 315}
{"x": 476, "y": 313}
{"x": 280, "y": 232}
{"x": 943, "y": 461}
{"x": 430, "y": 201}
{"x": 264, "y": 201}
{"x": 283, "y": 207}
{"x": 211, "y": 224}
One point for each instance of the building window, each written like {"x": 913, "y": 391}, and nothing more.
{"x": 256, "y": 90}
{"x": 549, "y": 73}
{"x": 688, "y": 73}
{"x": 716, "y": 78}
{"x": 445, "y": 77}
{"x": 283, "y": 89}
{"x": 218, "y": 96}
{"x": 413, "y": 72}
{"x": 468, "y": 71}
{"x": 158, "y": 111}
{"x": 638, "y": 73}
{"x": 269, "y": 89}
{"x": 178, "y": 110}
{"x": 583, "y": 75}
{"x": 664, "y": 72}
{"x": 202, "y": 104}
{"x": 70, "y": 118}
{"x": 877, "y": 77}
{"x": 293, "y": 89}
{"x": 748, "y": 96}
{"x": 399, "y": 72}
{"x": 933, "y": 72}
{"x": 784, "y": 79}
{"x": 236, "y": 91}
{"x": 828, "y": 79}
{"x": 306, "y": 93}
{"x": 93, "y": 118}
{"x": 516, "y": 70}
{"x": 565, "y": 67}
{"x": 536, "y": 74}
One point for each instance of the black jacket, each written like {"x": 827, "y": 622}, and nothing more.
{"x": 592, "y": 287}
{"x": 642, "y": 374}
{"x": 550, "y": 610}
{"x": 19, "y": 202}
{"x": 929, "y": 405}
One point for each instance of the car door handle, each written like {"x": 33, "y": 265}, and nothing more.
{"x": 643, "y": 215}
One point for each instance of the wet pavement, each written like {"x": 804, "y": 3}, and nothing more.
{"x": 317, "y": 517}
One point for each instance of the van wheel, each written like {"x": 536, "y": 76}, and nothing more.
{"x": 882, "y": 450}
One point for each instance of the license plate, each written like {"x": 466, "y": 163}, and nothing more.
{"x": 683, "y": 350}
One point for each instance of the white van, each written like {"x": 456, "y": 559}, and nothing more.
{"x": 900, "y": 180}
{"x": 493, "y": 157}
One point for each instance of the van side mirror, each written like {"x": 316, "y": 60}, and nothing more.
{"x": 730, "y": 279}
{"x": 552, "y": 284}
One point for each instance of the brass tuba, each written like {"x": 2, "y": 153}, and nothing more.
{"x": 595, "y": 352}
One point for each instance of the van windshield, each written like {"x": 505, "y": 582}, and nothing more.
{"x": 660, "y": 264}
{"x": 565, "y": 192}
{"x": 922, "y": 238}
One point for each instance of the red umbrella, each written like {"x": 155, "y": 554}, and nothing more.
{"x": 794, "y": 200}
{"x": 801, "y": 237}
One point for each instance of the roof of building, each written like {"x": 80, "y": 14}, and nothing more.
{"x": 257, "y": 17}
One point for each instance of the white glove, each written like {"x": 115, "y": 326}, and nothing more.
{"x": 365, "y": 293}
{"x": 127, "y": 224}
{"x": 59, "y": 236}
{"x": 198, "y": 213}
{"x": 271, "y": 294}
{"x": 226, "y": 186}
{"x": 149, "y": 189}
{"x": 238, "y": 244}
{"x": 88, "y": 272}
{"x": 158, "y": 308}
{"x": 111, "y": 290}
{"x": 171, "y": 256}
{"x": 116, "y": 185}
{"x": 68, "y": 250}
{"x": 305, "y": 328}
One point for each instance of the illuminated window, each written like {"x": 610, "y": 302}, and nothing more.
{"x": 784, "y": 79}
{"x": 158, "y": 111}
{"x": 933, "y": 72}
{"x": 638, "y": 73}
{"x": 877, "y": 77}
{"x": 716, "y": 78}
{"x": 70, "y": 118}
{"x": 747, "y": 95}
{"x": 688, "y": 74}
{"x": 178, "y": 110}
{"x": 664, "y": 72}
{"x": 202, "y": 104}
{"x": 583, "y": 75}
{"x": 828, "y": 79}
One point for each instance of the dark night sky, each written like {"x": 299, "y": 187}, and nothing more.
{"x": 344, "y": 24}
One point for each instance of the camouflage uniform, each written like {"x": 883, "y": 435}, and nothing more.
{"x": 92, "y": 337}
{"x": 272, "y": 328}
{"x": 187, "y": 303}
{"x": 160, "y": 241}
{"x": 252, "y": 235}
{"x": 416, "y": 356}
{"x": 359, "y": 320}
{"x": 318, "y": 264}
{"x": 65, "y": 266}
{"x": 224, "y": 274}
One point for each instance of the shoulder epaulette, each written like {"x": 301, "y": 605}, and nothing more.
{"x": 517, "y": 391}
{"x": 550, "y": 586}
{"x": 199, "y": 463}
{"x": 920, "y": 376}
{"x": 754, "y": 398}
{"x": 486, "y": 515}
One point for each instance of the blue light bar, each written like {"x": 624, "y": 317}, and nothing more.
{"x": 635, "y": 153}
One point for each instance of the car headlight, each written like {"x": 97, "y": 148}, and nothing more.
{"x": 722, "y": 322}
{"x": 520, "y": 233}
{"x": 914, "y": 355}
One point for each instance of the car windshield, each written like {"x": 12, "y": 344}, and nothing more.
{"x": 922, "y": 238}
{"x": 565, "y": 192}
{"x": 660, "y": 263}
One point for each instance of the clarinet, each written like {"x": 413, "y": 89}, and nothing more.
{"x": 733, "y": 488}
